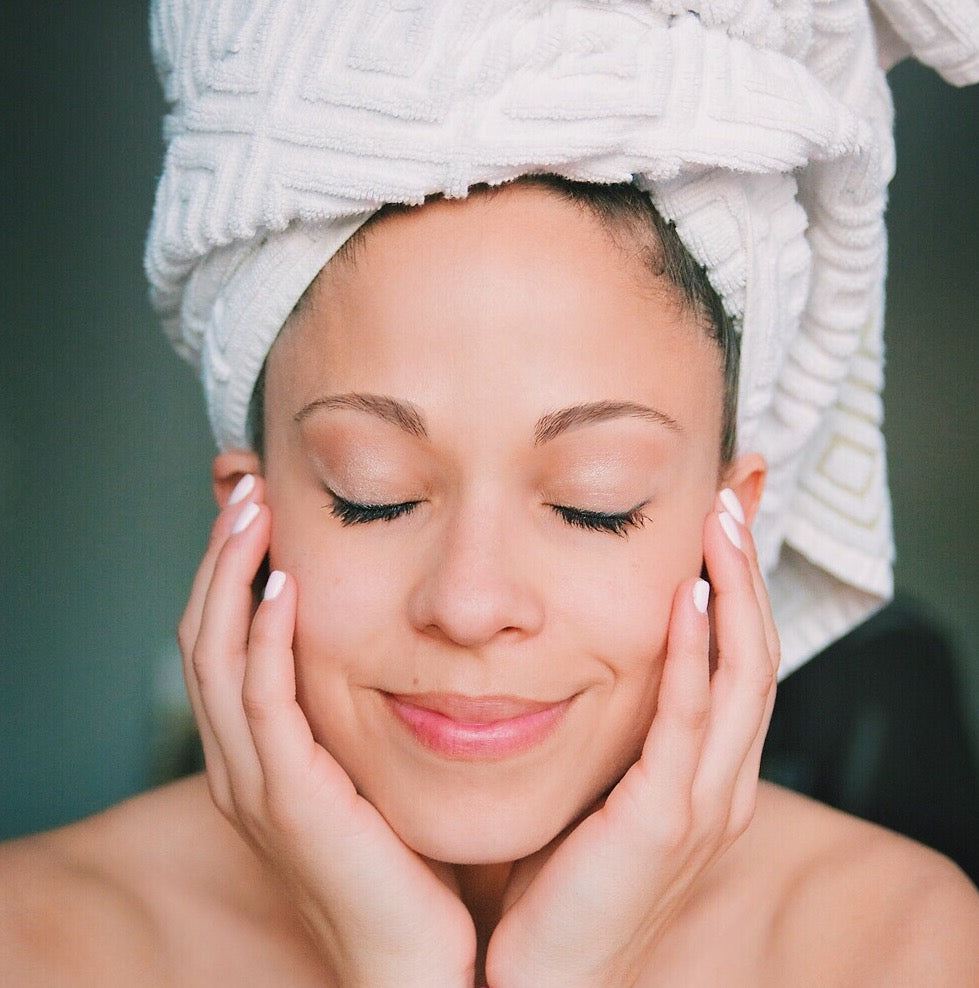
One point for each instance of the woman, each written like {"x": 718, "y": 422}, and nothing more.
{"x": 487, "y": 589}
{"x": 479, "y": 726}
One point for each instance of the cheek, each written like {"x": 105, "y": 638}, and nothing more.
{"x": 346, "y": 626}
{"x": 346, "y": 592}
{"x": 614, "y": 617}
{"x": 346, "y": 605}
{"x": 629, "y": 603}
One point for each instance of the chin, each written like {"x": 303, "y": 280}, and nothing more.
{"x": 471, "y": 821}
{"x": 477, "y": 836}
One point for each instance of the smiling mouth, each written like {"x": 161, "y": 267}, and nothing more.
{"x": 480, "y": 728}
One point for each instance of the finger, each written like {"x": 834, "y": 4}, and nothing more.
{"x": 278, "y": 726}
{"x": 675, "y": 740}
{"x": 290, "y": 757}
{"x": 761, "y": 595}
{"x": 744, "y": 678}
{"x": 249, "y": 489}
{"x": 219, "y": 655}
{"x": 746, "y": 787}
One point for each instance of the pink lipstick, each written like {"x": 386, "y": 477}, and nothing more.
{"x": 476, "y": 728}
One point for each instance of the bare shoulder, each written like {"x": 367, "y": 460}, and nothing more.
{"x": 861, "y": 905}
{"x": 158, "y": 890}
{"x": 68, "y": 914}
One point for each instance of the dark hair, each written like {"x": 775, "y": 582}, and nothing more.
{"x": 628, "y": 213}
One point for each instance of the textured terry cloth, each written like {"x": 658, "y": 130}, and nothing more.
{"x": 762, "y": 128}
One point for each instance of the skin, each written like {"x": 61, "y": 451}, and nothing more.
{"x": 327, "y": 846}
{"x": 483, "y": 588}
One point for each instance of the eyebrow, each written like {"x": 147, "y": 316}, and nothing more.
{"x": 409, "y": 419}
{"x": 404, "y": 416}
{"x": 554, "y": 423}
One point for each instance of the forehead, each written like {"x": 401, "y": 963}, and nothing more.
{"x": 512, "y": 289}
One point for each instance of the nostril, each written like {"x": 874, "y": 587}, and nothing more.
{"x": 475, "y": 584}
{"x": 474, "y": 617}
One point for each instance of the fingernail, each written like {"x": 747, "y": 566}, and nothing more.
{"x": 245, "y": 518}
{"x": 242, "y": 489}
{"x": 730, "y": 501}
{"x": 730, "y": 527}
{"x": 701, "y": 595}
{"x": 277, "y": 580}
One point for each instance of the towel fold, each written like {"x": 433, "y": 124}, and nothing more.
{"x": 762, "y": 128}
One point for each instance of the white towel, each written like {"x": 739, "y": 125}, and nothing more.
{"x": 761, "y": 127}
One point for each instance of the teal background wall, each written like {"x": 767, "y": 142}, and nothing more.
{"x": 104, "y": 453}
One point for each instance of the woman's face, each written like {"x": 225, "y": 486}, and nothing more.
{"x": 532, "y": 421}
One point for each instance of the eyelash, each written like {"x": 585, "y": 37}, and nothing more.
{"x": 352, "y": 513}
{"x": 598, "y": 521}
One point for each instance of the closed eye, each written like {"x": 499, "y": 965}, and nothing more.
{"x": 600, "y": 521}
{"x": 354, "y": 513}
{"x": 617, "y": 523}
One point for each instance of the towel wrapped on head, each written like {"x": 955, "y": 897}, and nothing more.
{"x": 761, "y": 128}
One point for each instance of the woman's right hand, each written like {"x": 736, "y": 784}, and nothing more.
{"x": 378, "y": 912}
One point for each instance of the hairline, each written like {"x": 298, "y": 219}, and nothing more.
{"x": 621, "y": 208}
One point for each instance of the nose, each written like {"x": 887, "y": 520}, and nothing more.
{"x": 478, "y": 581}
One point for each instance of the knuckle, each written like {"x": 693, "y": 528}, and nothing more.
{"x": 201, "y": 666}
{"x": 186, "y": 635}
{"x": 220, "y": 796}
{"x": 251, "y": 818}
{"x": 742, "y": 813}
{"x": 694, "y": 716}
{"x": 282, "y": 817}
{"x": 256, "y": 703}
{"x": 673, "y": 828}
{"x": 261, "y": 636}
{"x": 775, "y": 651}
{"x": 763, "y": 679}
{"x": 753, "y": 675}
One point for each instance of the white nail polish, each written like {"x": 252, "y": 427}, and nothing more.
{"x": 242, "y": 489}
{"x": 730, "y": 501}
{"x": 730, "y": 527}
{"x": 247, "y": 516}
{"x": 277, "y": 580}
{"x": 701, "y": 595}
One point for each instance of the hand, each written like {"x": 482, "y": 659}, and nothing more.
{"x": 377, "y": 911}
{"x": 590, "y": 908}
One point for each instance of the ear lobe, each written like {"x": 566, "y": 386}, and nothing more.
{"x": 746, "y": 477}
{"x": 229, "y": 466}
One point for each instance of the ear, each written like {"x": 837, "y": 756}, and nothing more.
{"x": 229, "y": 466}
{"x": 746, "y": 477}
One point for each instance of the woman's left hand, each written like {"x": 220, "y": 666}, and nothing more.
{"x": 590, "y": 908}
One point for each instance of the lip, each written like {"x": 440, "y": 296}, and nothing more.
{"x": 476, "y": 728}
